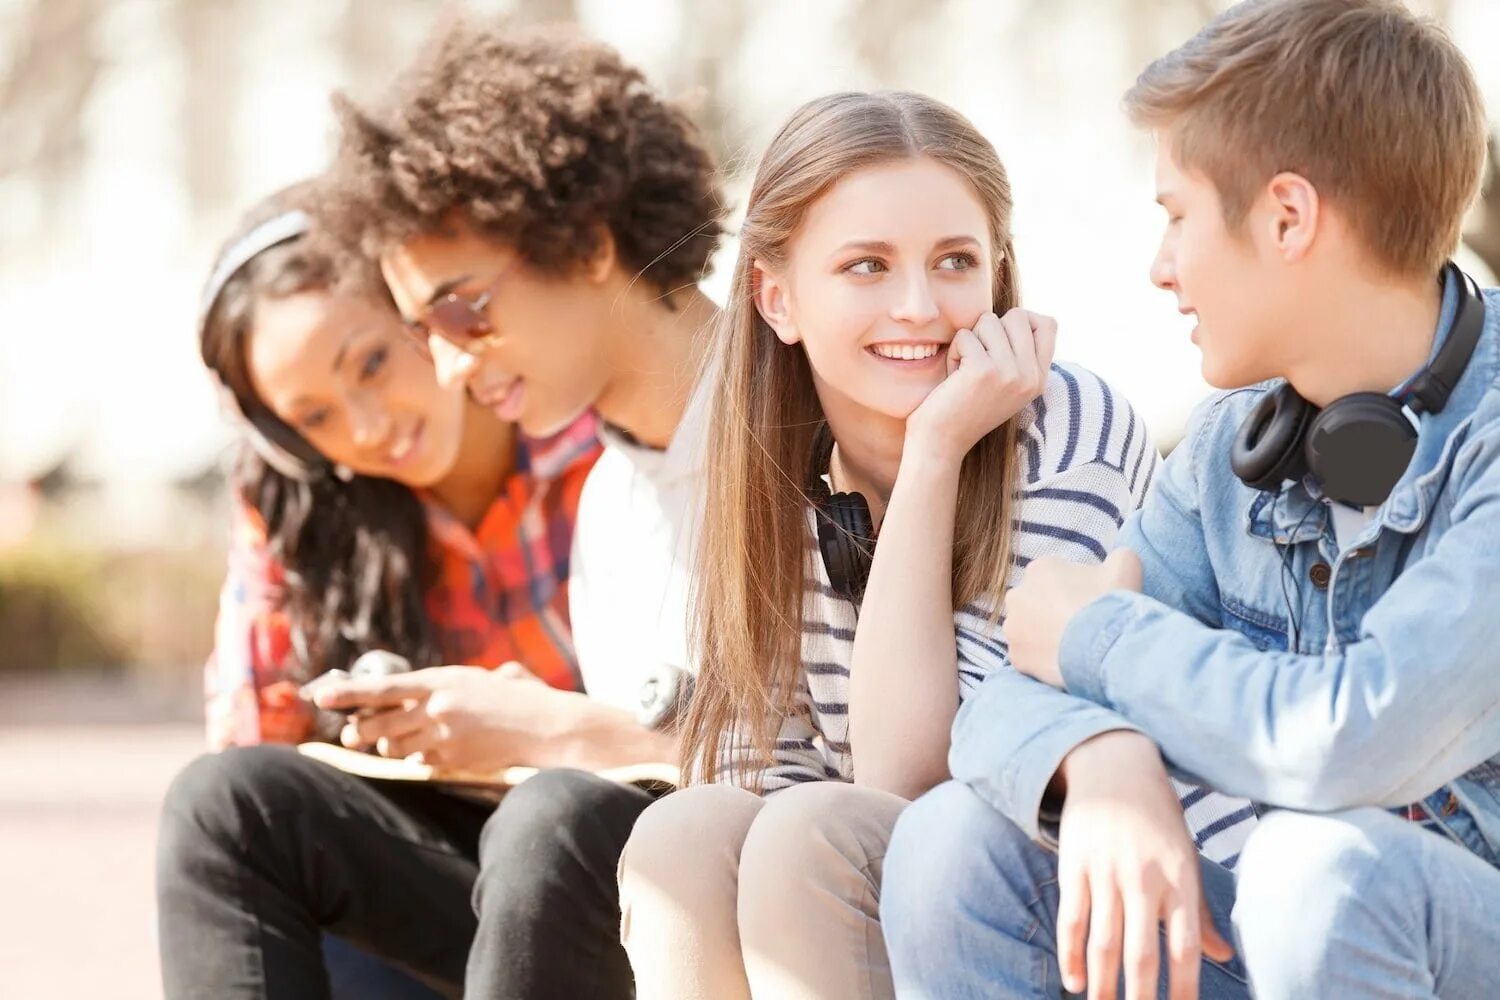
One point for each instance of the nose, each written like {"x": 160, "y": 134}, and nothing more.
{"x": 454, "y": 366}
{"x": 369, "y": 422}
{"x": 916, "y": 305}
{"x": 1164, "y": 269}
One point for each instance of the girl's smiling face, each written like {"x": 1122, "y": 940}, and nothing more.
{"x": 885, "y": 268}
{"x": 341, "y": 371}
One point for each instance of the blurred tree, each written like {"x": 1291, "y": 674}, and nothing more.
{"x": 45, "y": 82}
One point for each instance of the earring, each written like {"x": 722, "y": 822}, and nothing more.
{"x": 343, "y": 472}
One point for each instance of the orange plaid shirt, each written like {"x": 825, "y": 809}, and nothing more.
{"x": 499, "y": 593}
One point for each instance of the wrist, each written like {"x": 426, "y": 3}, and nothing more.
{"x": 1107, "y": 751}
{"x": 922, "y": 460}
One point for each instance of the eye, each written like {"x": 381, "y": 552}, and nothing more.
{"x": 866, "y": 265}
{"x": 374, "y": 361}
{"x": 958, "y": 262}
{"x": 314, "y": 419}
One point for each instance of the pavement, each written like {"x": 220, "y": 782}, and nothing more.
{"x": 78, "y": 812}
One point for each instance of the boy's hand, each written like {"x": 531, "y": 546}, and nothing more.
{"x": 994, "y": 371}
{"x": 1127, "y": 867}
{"x": 457, "y": 718}
{"x": 1050, "y": 593}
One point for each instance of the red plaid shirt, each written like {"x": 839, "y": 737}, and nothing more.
{"x": 499, "y": 593}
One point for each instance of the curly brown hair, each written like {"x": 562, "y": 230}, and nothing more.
{"x": 540, "y": 137}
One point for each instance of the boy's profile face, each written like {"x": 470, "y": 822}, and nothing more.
{"x": 1221, "y": 278}
{"x": 543, "y": 361}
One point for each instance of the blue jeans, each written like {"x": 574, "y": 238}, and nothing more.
{"x": 969, "y": 906}
{"x": 358, "y": 975}
{"x": 1350, "y": 905}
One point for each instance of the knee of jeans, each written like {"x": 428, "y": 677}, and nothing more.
{"x": 532, "y": 813}
{"x": 212, "y": 797}
{"x": 931, "y": 864}
{"x": 679, "y": 839}
{"x": 1301, "y": 876}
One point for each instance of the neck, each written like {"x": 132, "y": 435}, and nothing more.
{"x": 1371, "y": 337}
{"x": 486, "y": 458}
{"x": 659, "y": 342}
{"x": 866, "y": 453}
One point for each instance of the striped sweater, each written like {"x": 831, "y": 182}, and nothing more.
{"x": 1087, "y": 462}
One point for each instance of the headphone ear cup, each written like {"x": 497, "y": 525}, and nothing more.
{"x": 1359, "y": 446}
{"x": 844, "y": 538}
{"x": 1268, "y": 450}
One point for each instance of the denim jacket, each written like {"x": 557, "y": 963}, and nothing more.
{"x": 1391, "y": 695}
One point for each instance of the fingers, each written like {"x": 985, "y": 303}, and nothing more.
{"x": 1183, "y": 956}
{"x": 1124, "y": 569}
{"x": 511, "y": 670}
{"x": 1214, "y": 945}
{"x": 965, "y": 345}
{"x": 365, "y": 730}
{"x": 990, "y": 330}
{"x": 420, "y": 741}
{"x": 1072, "y": 928}
{"x": 1020, "y": 341}
{"x": 1044, "y": 333}
{"x": 373, "y": 692}
{"x": 1142, "y": 956}
{"x": 1106, "y": 930}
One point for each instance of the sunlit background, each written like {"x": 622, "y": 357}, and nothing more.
{"x": 132, "y": 135}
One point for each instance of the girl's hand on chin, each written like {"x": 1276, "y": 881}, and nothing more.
{"x": 994, "y": 371}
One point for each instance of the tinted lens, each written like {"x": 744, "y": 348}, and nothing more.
{"x": 456, "y": 321}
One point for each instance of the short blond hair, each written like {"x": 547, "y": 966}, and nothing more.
{"x": 1375, "y": 106}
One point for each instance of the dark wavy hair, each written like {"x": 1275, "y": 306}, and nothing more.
{"x": 354, "y": 553}
{"x": 540, "y": 137}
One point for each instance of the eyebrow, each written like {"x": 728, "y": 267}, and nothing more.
{"x": 881, "y": 246}
{"x": 447, "y": 286}
{"x": 338, "y": 358}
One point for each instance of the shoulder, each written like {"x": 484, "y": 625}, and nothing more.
{"x": 1081, "y": 419}
{"x": 1214, "y": 423}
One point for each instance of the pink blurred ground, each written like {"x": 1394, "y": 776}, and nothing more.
{"x": 78, "y": 806}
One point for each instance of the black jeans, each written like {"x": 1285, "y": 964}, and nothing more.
{"x": 262, "y": 849}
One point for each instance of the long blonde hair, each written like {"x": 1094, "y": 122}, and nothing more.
{"x": 754, "y": 553}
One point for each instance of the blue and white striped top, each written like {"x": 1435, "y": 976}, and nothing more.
{"x": 1088, "y": 461}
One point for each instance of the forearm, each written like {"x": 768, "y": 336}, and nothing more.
{"x": 1358, "y": 727}
{"x": 904, "y": 677}
{"x": 1012, "y": 737}
{"x": 601, "y": 737}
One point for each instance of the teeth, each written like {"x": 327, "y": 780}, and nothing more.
{"x": 906, "y": 352}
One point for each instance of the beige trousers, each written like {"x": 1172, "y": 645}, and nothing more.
{"x": 726, "y": 895}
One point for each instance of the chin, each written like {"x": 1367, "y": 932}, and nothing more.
{"x": 545, "y": 425}
{"x": 1223, "y": 374}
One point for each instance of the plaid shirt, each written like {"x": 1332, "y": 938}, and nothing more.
{"x": 499, "y": 593}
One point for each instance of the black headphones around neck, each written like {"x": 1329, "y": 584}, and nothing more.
{"x": 846, "y": 531}
{"x": 1359, "y": 445}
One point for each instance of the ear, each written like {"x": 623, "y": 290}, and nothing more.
{"x": 1295, "y": 215}
{"x": 773, "y": 302}
{"x": 600, "y": 263}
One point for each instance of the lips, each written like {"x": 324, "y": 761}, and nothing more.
{"x": 504, "y": 399}
{"x": 406, "y": 446}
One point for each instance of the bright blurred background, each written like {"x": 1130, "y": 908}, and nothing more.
{"x": 134, "y": 132}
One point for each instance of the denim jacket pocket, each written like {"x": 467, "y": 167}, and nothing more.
{"x": 1266, "y": 631}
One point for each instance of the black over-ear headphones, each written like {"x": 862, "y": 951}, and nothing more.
{"x": 1358, "y": 446}
{"x": 846, "y": 531}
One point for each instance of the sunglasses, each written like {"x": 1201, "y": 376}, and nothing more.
{"x": 458, "y": 319}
